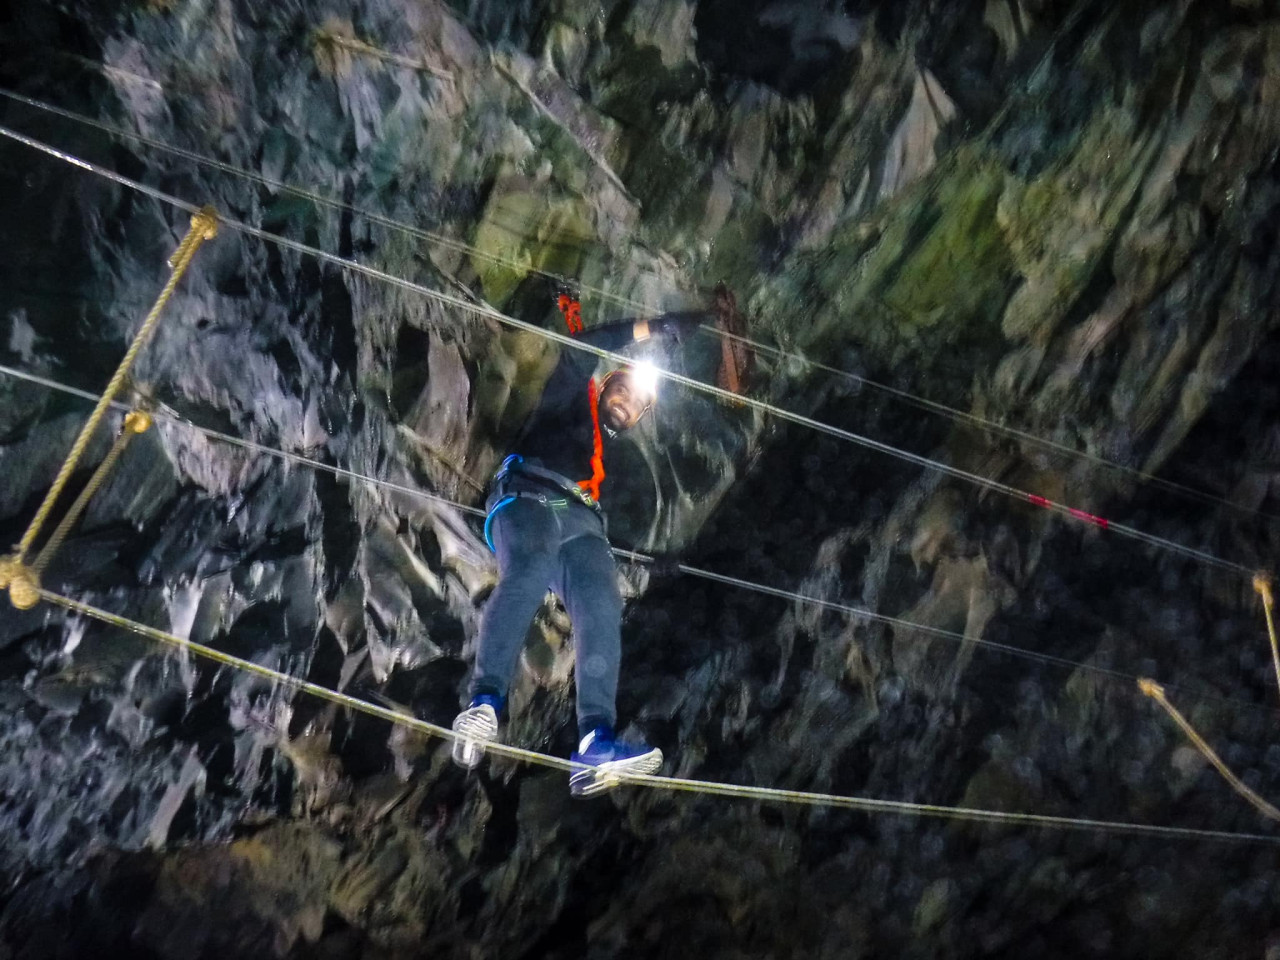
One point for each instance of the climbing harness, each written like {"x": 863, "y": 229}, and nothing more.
{"x": 673, "y": 784}
{"x": 22, "y": 580}
{"x": 516, "y": 466}
{"x": 441, "y": 240}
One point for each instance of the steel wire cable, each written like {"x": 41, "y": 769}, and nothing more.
{"x": 565, "y": 340}
{"x": 421, "y": 233}
{"x": 984, "y": 423}
{"x": 672, "y": 784}
{"x": 941, "y": 409}
{"x": 160, "y": 413}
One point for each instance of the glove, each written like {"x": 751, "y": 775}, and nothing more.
{"x": 664, "y": 328}
{"x": 675, "y": 326}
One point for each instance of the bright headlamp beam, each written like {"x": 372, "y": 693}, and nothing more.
{"x": 644, "y": 377}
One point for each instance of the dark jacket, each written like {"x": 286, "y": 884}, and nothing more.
{"x": 559, "y": 434}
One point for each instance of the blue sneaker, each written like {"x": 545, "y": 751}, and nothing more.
{"x": 477, "y": 727}
{"x": 608, "y": 758}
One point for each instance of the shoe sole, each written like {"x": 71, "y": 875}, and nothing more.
{"x": 607, "y": 776}
{"x": 468, "y": 753}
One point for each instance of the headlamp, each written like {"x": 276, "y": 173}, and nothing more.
{"x": 644, "y": 380}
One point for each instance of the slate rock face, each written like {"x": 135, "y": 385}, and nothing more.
{"x": 1057, "y": 217}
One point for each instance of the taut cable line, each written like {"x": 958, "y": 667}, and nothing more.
{"x": 985, "y": 423}
{"x": 673, "y": 784}
{"x": 429, "y": 236}
{"x": 382, "y": 220}
{"x": 297, "y": 458}
{"x": 726, "y": 396}
{"x": 636, "y": 557}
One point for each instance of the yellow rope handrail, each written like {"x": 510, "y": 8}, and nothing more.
{"x": 1156, "y": 693}
{"x": 14, "y": 572}
{"x": 135, "y": 422}
{"x": 1262, "y": 584}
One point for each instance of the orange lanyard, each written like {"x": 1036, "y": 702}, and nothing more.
{"x": 592, "y": 486}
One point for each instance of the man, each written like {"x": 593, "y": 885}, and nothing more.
{"x": 547, "y": 528}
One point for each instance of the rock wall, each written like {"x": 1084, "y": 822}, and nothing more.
{"x": 1057, "y": 216}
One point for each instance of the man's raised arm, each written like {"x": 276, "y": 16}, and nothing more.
{"x": 622, "y": 333}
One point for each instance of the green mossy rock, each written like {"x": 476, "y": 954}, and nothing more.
{"x": 524, "y": 229}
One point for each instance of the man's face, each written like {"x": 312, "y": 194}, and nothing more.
{"x": 621, "y": 406}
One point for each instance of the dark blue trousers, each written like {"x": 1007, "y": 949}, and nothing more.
{"x": 560, "y": 544}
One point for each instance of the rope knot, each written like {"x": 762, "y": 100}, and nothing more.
{"x": 137, "y": 421}
{"x": 1262, "y": 584}
{"x": 1151, "y": 688}
{"x": 206, "y": 222}
{"x": 22, "y": 581}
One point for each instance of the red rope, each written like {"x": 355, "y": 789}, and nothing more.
{"x": 572, "y": 311}
{"x": 1048, "y": 504}
{"x": 592, "y": 486}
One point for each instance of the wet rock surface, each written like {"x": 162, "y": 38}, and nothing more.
{"x": 1057, "y": 216}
